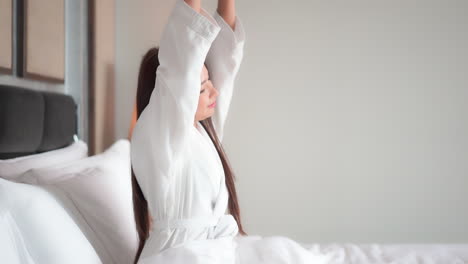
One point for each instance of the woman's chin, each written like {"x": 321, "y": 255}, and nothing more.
{"x": 209, "y": 115}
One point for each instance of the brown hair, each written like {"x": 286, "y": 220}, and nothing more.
{"x": 146, "y": 82}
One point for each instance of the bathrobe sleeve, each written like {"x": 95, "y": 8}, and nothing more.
{"x": 163, "y": 128}
{"x": 223, "y": 61}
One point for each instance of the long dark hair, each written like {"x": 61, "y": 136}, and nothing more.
{"x": 146, "y": 82}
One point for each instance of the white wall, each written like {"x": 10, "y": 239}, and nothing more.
{"x": 139, "y": 25}
{"x": 349, "y": 119}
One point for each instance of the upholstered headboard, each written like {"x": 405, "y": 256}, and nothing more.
{"x": 34, "y": 121}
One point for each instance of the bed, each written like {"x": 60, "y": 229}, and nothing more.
{"x": 59, "y": 205}
{"x": 393, "y": 253}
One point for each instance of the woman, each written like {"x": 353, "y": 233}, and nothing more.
{"x": 181, "y": 174}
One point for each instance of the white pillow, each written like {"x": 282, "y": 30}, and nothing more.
{"x": 99, "y": 189}
{"x": 12, "y": 168}
{"x": 35, "y": 228}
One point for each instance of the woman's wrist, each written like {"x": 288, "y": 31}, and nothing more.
{"x": 227, "y": 10}
{"x": 194, "y": 4}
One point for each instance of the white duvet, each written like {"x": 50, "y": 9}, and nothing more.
{"x": 278, "y": 249}
{"x": 392, "y": 253}
{"x": 283, "y": 250}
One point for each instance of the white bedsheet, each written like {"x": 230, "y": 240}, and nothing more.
{"x": 392, "y": 253}
{"x": 280, "y": 249}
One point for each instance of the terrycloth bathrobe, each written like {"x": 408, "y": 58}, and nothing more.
{"x": 175, "y": 162}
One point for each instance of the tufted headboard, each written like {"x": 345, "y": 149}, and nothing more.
{"x": 34, "y": 121}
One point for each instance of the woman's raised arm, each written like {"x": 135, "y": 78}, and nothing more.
{"x": 163, "y": 128}
{"x": 227, "y": 10}
{"x": 224, "y": 59}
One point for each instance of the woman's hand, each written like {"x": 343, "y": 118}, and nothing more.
{"x": 226, "y": 9}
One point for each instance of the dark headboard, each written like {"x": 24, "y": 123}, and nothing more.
{"x": 34, "y": 121}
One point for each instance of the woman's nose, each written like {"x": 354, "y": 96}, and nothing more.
{"x": 215, "y": 92}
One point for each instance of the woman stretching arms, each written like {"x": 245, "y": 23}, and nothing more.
{"x": 182, "y": 177}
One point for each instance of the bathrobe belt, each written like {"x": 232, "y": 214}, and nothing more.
{"x": 221, "y": 226}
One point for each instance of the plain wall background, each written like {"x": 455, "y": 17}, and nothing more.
{"x": 349, "y": 121}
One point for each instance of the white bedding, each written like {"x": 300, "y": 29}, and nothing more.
{"x": 392, "y": 253}
{"x": 279, "y": 249}
{"x": 260, "y": 249}
{"x": 251, "y": 249}
{"x": 283, "y": 250}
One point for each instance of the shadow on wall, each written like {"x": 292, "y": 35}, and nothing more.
{"x": 109, "y": 107}
{"x": 103, "y": 112}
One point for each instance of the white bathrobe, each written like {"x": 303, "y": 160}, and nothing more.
{"x": 175, "y": 163}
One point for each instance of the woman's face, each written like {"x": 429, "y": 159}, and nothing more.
{"x": 207, "y": 99}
